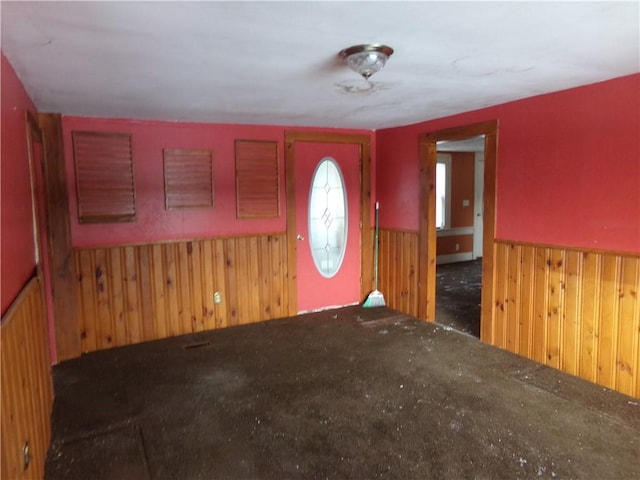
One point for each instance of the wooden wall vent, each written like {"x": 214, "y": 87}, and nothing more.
{"x": 257, "y": 179}
{"x": 188, "y": 179}
{"x": 104, "y": 177}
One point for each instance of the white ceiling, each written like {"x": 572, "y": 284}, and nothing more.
{"x": 276, "y": 62}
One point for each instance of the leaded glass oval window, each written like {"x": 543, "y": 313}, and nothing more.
{"x": 327, "y": 217}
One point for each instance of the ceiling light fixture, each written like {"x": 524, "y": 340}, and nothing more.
{"x": 366, "y": 59}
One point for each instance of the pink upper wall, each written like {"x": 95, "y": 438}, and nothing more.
{"x": 568, "y": 169}
{"x": 154, "y": 223}
{"x": 17, "y": 243}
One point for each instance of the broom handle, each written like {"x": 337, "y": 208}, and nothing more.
{"x": 375, "y": 259}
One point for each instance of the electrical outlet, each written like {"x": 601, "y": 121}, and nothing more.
{"x": 217, "y": 298}
{"x": 457, "y": 247}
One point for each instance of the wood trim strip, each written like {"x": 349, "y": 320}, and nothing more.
{"x": 620, "y": 253}
{"x": 58, "y": 233}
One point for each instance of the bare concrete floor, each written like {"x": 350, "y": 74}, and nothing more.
{"x": 348, "y": 394}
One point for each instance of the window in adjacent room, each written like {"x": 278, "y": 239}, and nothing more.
{"x": 443, "y": 191}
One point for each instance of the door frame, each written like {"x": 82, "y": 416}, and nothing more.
{"x": 478, "y": 185}
{"x": 427, "y": 212}
{"x": 366, "y": 234}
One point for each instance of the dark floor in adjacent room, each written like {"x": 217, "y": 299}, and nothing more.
{"x": 458, "y": 294}
{"x": 345, "y": 394}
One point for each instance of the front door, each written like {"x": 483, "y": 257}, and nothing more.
{"x": 327, "y": 186}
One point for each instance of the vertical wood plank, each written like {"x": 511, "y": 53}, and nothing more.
{"x": 231, "y": 269}
{"x": 383, "y": 263}
{"x": 222, "y": 311}
{"x": 183, "y": 287}
{"x": 67, "y": 320}
{"x": 413, "y": 275}
{"x": 591, "y": 289}
{"x": 555, "y": 306}
{"x": 277, "y": 289}
{"x": 541, "y": 279}
{"x": 265, "y": 277}
{"x": 525, "y": 302}
{"x": 628, "y": 326}
{"x": 208, "y": 288}
{"x": 159, "y": 279}
{"x": 402, "y": 270}
{"x": 607, "y": 322}
{"x": 487, "y": 300}
{"x": 571, "y": 338}
{"x": 104, "y": 325}
{"x": 242, "y": 288}
{"x": 87, "y": 300}
{"x": 254, "y": 312}
{"x": 116, "y": 296}
{"x": 131, "y": 294}
{"x": 501, "y": 291}
{"x": 147, "y": 306}
{"x": 172, "y": 272}
{"x": 512, "y": 317}
{"x": 198, "y": 312}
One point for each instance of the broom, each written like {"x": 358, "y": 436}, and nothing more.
{"x": 375, "y": 298}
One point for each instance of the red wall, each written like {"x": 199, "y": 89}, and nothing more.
{"x": 568, "y": 169}
{"x": 154, "y": 223}
{"x": 17, "y": 245}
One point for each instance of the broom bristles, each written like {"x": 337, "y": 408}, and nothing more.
{"x": 375, "y": 299}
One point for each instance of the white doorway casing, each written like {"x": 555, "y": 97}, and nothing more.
{"x": 478, "y": 204}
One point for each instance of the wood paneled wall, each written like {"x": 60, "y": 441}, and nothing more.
{"x": 130, "y": 294}
{"x": 27, "y": 390}
{"x": 577, "y": 311}
{"x": 398, "y": 270}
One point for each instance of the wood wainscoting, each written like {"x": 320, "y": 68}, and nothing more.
{"x": 131, "y": 294}
{"x": 398, "y": 270}
{"x": 27, "y": 389}
{"x": 577, "y": 311}
{"x": 574, "y": 310}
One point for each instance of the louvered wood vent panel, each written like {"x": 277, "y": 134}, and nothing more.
{"x": 188, "y": 178}
{"x": 104, "y": 177}
{"x": 257, "y": 181}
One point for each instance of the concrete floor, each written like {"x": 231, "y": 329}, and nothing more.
{"x": 346, "y": 394}
{"x": 458, "y": 295}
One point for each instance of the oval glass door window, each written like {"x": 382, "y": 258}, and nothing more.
{"x": 327, "y": 217}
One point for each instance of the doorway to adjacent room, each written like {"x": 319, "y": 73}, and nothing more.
{"x": 459, "y": 226}
{"x": 428, "y": 233}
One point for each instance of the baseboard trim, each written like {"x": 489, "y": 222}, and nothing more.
{"x": 454, "y": 257}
